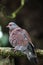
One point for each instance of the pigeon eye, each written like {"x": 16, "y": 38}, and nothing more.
{"x": 10, "y": 24}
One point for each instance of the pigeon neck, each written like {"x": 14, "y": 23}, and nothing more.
{"x": 10, "y": 31}
{"x": 14, "y": 29}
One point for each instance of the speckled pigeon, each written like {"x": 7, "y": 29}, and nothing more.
{"x": 20, "y": 40}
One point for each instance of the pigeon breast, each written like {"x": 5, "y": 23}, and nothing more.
{"x": 17, "y": 36}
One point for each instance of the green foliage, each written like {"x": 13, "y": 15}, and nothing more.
{"x": 14, "y": 13}
{"x": 4, "y": 40}
{"x": 22, "y": 2}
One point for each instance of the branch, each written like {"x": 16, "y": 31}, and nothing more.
{"x": 14, "y": 14}
{"x": 6, "y": 51}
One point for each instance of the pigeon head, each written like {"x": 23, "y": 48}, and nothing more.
{"x": 12, "y": 25}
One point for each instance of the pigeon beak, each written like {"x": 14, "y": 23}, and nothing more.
{"x": 7, "y": 26}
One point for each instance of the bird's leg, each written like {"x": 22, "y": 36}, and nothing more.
{"x": 15, "y": 50}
